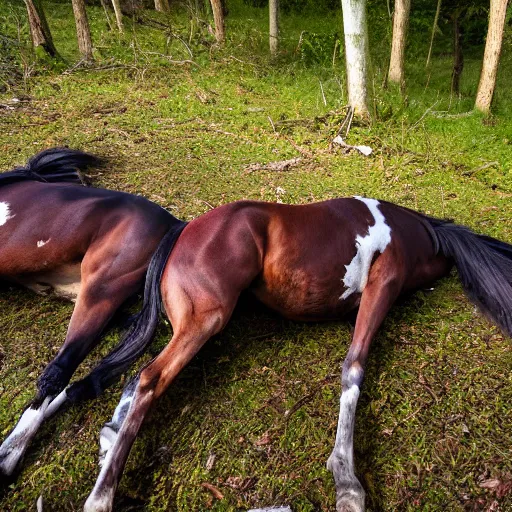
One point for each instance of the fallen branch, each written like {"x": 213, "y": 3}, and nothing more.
{"x": 282, "y": 165}
{"x": 481, "y": 168}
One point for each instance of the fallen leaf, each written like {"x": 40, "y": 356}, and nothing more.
{"x": 214, "y": 490}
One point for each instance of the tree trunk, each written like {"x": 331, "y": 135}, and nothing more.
{"x": 39, "y": 30}
{"x": 400, "y": 23}
{"x": 107, "y": 15}
{"x": 273, "y": 12}
{"x": 356, "y": 53}
{"x": 492, "y": 52}
{"x": 434, "y": 27}
{"x": 218, "y": 18}
{"x": 83, "y": 31}
{"x": 119, "y": 15}
{"x": 162, "y": 5}
{"x": 458, "y": 56}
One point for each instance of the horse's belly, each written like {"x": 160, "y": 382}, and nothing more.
{"x": 63, "y": 281}
{"x": 297, "y": 295}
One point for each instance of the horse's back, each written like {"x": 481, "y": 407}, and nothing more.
{"x": 43, "y": 226}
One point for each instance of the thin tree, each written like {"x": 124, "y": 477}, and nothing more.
{"x": 39, "y": 29}
{"x": 162, "y": 5}
{"x": 119, "y": 15}
{"x": 83, "y": 32}
{"x": 458, "y": 55}
{"x": 273, "y": 14}
{"x": 218, "y": 18}
{"x": 107, "y": 15}
{"x": 497, "y": 13}
{"x": 434, "y": 28}
{"x": 356, "y": 53}
{"x": 400, "y": 23}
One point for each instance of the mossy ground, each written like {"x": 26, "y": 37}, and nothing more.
{"x": 435, "y": 417}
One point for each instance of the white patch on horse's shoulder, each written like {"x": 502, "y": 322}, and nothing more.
{"x": 40, "y": 243}
{"x": 5, "y": 212}
{"x": 376, "y": 240}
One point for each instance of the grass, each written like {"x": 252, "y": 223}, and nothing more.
{"x": 434, "y": 419}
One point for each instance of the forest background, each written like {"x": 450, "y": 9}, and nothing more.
{"x": 192, "y": 122}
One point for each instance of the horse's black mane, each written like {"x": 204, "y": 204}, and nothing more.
{"x": 55, "y": 165}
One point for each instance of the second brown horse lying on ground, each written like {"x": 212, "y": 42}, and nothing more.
{"x": 310, "y": 262}
{"x": 92, "y": 246}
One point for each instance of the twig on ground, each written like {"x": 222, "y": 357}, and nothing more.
{"x": 443, "y": 114}
{"x": 429, "y": 109}
{"x": 272, "y": 123}
{"x": 306, "y": 398}
{"x": 481, "y": 168}
{"x": 282, "y": 165}
{"x": 206, "y": 203}
{"x": 171, "y": 60}
{"x": 322, "y": 90}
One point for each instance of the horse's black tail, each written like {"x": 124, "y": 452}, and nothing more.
{"x": 54, "y": 165}
{"x": 484, "y": 265}
{"x": 140, "y": 334}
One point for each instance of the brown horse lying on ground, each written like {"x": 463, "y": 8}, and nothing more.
{"x": 310, "y": 262}
{"x": 89, "y": 245}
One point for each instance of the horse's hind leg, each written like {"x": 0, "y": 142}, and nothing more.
{"x": 99, "y": 297}
{"x": 377, "y": 298}
{"x": 192, "y": 330}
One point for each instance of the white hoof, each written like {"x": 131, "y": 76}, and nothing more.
{"x": 99, "y": 503}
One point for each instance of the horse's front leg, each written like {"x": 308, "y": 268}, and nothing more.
{"x": 378, "y": 296}
{"x": 97, "y": 301}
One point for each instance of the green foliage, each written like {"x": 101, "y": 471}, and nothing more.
{"x": 318, "y": 48}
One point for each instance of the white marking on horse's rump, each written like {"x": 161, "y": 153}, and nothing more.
{"x": 40, "y": 243}
{"x": 377, "y": 239}
{"x": 5, "y": 213}
{"x": 15, "y": 445}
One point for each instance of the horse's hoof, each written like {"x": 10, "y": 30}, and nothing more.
{"x": 98, "y": 504}
{"x": 350, "y": 498}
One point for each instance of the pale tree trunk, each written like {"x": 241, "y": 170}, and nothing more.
{"x": 492, "y": 52}
{"x": 107, "y": 15}
{"x": 83, "y": 31}
{"x": 434, "y": 27}
{"x": 356, "y": 53}
{"x": 162, "y": 5}
{"x": 218, "y": 19}
{"x": 400, "y": 23}
{"x": 273, "y": 14}
{"x": 39, "y": 30}
{"x": 119, "y": 15}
